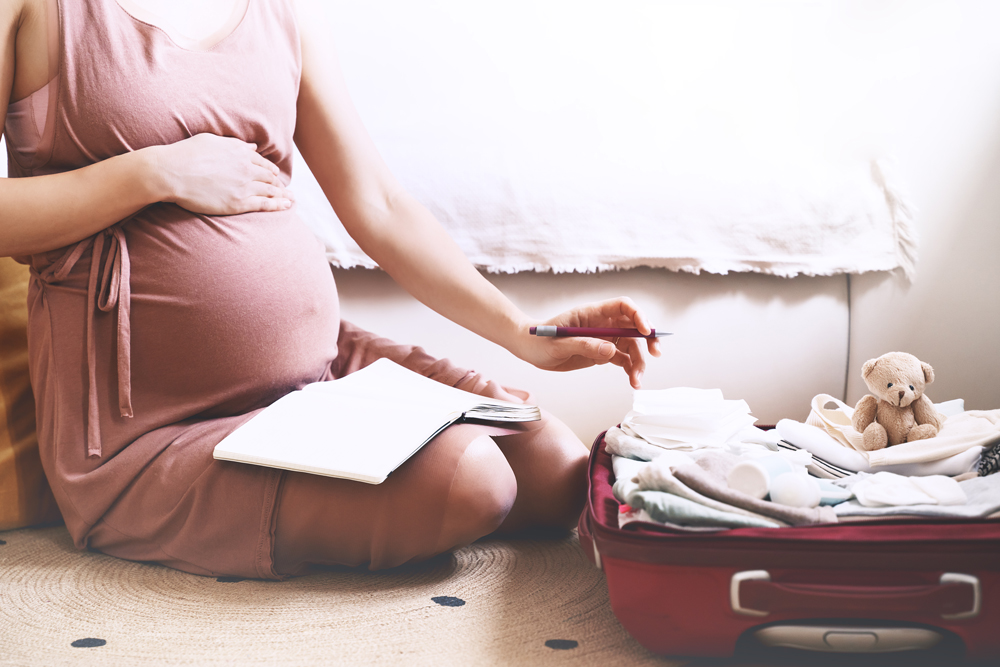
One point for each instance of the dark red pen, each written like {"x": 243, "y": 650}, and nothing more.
{"x": 594, "y": 332}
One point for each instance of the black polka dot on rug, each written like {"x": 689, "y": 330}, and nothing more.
{"x": 562, "y": 644}
{"x": 230, "y": 580}
{"x": 448, "y": 601}
{"x": 88, "y": 642}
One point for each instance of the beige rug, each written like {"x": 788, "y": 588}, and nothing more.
{"x": 499, "y": 602}
{"x": 519, "y": 602}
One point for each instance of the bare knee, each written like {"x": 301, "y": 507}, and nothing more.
{"x": 482, "y": 494}
{"x": 551, "y": 468}
{"x": 562, "y": 501}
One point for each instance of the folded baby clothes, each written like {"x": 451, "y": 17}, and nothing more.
{"x": 626, "y": 468}
{"x": 982, "y": 493}
{"x": 992, "y": 416}
{"x": 822, "y": 445}
{"x": 657, "y": 476}
{"x": 836, "y": 422}
{"x": 975, "y": 428}
{"x": 619, "y": 443}
{"x": 885, "y": 489}
{"x": 628, "y": 514}
{"x": 699, "y": 480}
{"x": 623, "y": 488}
{"x": 668, "y": 508}
{"x": 959, "y": 433}
{"x": 686, "y": 419}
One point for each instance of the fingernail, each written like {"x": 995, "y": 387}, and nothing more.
{"x": 287, "y": 203}
{"x": 606, "y": 349}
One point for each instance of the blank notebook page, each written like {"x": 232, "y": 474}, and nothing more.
{"x": 360, "y": 427}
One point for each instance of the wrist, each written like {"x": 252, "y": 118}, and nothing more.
{"x": 157, "y": 184}
{"x": 518, "y": 337}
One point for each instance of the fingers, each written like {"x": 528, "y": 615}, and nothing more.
{"x": 259, "y": 160}
{"x": 258, "y": 203}
{"x": 267, "y": 191}
{"x": 265, "y": 175}
{"x": 267, "y": 179}
{"x": 623, "y": 310}
{"x": 260, "y": 189}
{"x": 620, "y": 311}
{"x": 630, "y": 356}
{"x": 627, "y": 353}
{"x": 268, "y": 197}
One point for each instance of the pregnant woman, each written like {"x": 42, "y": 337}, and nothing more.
{"x": 175, "y": 293}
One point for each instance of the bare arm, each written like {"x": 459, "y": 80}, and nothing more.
{"x": 208, "y": 174}
{"x": 407, "y": 242}
{"x": 48, "y": 212}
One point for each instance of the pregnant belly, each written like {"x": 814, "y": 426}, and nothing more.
{"x": 228, "y": 312}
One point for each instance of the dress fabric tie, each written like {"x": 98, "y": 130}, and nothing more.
{"x": 115, "y": 290}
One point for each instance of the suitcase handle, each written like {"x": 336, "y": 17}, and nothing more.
{"x": 955, "y": 596}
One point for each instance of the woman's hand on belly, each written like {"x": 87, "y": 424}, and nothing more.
{"x": 216, "y": 175}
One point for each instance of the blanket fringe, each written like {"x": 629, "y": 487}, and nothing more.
{"x": 901, "y": 256}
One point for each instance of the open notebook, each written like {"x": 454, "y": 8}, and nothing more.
{"x": 362, "y": 426}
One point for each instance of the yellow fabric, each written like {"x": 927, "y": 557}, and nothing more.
{"x": 25, "y": 497}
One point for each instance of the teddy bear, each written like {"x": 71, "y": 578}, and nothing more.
{"x": 899, "y": 411}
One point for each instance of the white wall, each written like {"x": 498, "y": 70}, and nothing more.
{"x": 940, "y": 115}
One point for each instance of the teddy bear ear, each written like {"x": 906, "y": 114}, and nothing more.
{"x": 928, "y": 372}
{"x": 868, "y": 368}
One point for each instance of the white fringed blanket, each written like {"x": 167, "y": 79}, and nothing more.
{"x": 583, "y": 136}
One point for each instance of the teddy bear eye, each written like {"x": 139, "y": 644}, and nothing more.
{"x": 889, "y": 385}
{"x": 911, "y": 387}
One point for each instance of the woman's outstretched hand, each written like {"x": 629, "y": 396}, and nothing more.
{"x": 570, "y": 353}
{"x": 217, "y": 175}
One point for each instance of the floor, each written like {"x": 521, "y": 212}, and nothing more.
{"x": 509, "y": 602}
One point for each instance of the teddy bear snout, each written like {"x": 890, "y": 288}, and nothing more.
{"x": 905, "y": 397}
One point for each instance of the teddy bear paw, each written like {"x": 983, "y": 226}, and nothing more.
{"x": 921, "y": 432}
{"x": 874, "y": 437}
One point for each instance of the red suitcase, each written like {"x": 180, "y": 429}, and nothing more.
{"x": 869, "y": 587}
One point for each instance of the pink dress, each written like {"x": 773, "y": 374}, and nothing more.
{"x": 151, "y": 341}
